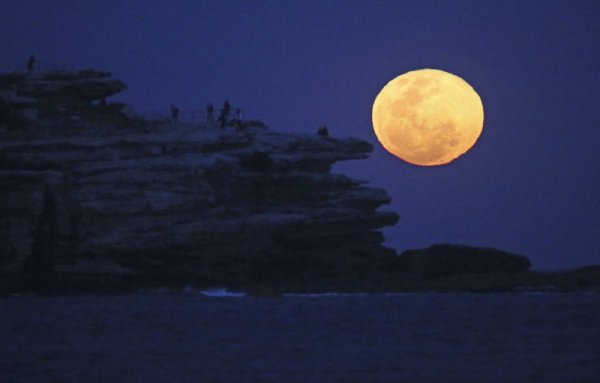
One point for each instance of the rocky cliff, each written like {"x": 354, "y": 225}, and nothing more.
{"x": 182, "y": 203}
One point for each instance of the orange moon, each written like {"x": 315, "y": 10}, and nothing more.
{"x": 427, "y": 117}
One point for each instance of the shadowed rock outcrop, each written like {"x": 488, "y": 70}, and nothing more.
{"x": 444, "y": 260}
{"x": 190, "y": 204}
{"x": 59, "y": 98}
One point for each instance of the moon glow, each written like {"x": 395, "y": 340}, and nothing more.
{"x": 427, "y": 117}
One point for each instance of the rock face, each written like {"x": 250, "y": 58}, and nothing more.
{"x": 64, "y": 88}
{"x": 190, "y": 204}
{"x": 58, "y": 97}
{"x": 446, "y": 260}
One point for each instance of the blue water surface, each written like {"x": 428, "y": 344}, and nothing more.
{"x": 189, "y": 337}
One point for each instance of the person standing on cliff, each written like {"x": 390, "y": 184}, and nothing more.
{"x": 226, "y": 109}
{"x": 30, "y": 63}
{"x": 174, "y": 113}
{"x": 224, "y": 115}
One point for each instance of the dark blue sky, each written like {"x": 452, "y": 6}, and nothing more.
{"x": 530, "y": 185}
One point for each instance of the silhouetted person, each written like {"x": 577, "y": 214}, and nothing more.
{"x": 210, "y": 110}
{"x": 224, "y": 115}
{"x": 30, "y": 63}
{"x": 238, "y": 114}
{"x": 226, "y": 109}
{"x": 174, "y": 113}
{"x": 323, "y": 132}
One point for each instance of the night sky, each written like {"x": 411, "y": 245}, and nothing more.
{"x": 530, "y": 184}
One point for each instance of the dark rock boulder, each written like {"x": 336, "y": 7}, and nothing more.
{"x": 589, "y": 275}
{"x": 445, "y": 260}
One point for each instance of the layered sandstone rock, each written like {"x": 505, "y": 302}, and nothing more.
{"x": 59, "y": 98}
{"x": 194, "y": 204}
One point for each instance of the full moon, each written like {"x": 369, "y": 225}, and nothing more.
{"x": 427, "y": 117}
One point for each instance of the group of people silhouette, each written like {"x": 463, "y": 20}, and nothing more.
{"x": 222, "y": 120}
{"x": 224, "y": 114}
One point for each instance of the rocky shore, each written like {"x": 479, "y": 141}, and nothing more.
{"x": 95, "y": 200}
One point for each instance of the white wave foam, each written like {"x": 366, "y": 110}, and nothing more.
{"x": 222, "y": 293}
{"x": 326, "y": 295}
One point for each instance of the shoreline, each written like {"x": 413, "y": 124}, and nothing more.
{"x": 584, "y": 280}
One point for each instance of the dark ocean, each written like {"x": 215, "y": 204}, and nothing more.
{"x": 189, "y": 337}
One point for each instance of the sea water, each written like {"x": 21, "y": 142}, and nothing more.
{"x": 196, "y": 337}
